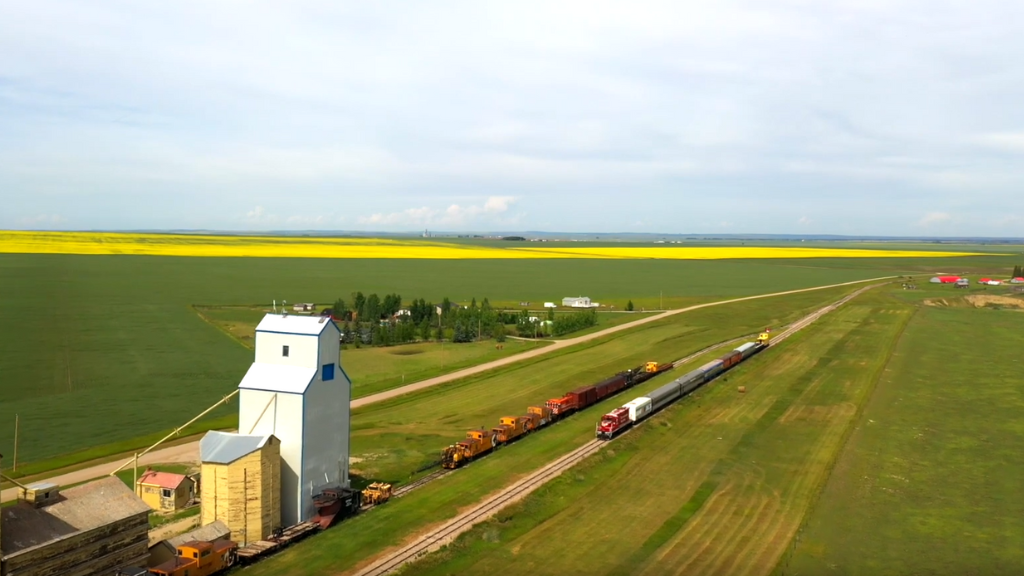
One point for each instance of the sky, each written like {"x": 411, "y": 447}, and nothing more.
{"x": 863, "y": 117}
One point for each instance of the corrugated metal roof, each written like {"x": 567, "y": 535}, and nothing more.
{"x": 208, "y": 533}
{"x": 81, "y": 508}
{"x": 292, "y": 324}
{"x": 226, "y": 447}
{"x": 168, "y": 480}
{"x": 278, "y": 378}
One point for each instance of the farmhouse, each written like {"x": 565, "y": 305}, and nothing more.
{"x": 579, "y": 302}
{"x": 95, "y": 528}
{"x": 297, "y": 391}
{"x": 242, "y": 484}
{"x": 944, "y": 279}
{"x": 165, "y": 491}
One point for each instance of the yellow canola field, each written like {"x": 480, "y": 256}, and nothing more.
{"x": 316, "y": 247}
{"x": 737, "y": 252}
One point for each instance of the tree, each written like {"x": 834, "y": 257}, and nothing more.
{"x": 425, "y": 330}
{"x": 499, "y": 333}
{"x": 372, "y": 309}
{"x": 359, "y": 305}
{"x": 551, "y": 314}
{"x": 629, "y": 306}
{"x": 1018, "y": 271}
{"x": 340, "y": 309}
{"x": 485, "y": 305}
{"x": 439, "y": 334}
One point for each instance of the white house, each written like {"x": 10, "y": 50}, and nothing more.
{"x": 550, "y": 305}
{"x": 297, "y": 391}
{"x": 579, "y": 302}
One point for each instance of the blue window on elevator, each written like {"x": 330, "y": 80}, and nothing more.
{"x": 328, "y": 372}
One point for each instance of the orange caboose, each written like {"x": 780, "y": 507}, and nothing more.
{"x": 199, "y": 559}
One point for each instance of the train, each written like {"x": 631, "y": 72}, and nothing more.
{"x": 481, "y": 442}
{"x": 629, "y": 414}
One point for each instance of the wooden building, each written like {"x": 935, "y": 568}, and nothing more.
{"x": 95, "y": 528}
{"x": 241, "y": 484}
{"x": 166, "y": 491}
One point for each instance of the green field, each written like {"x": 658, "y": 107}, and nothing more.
{"x": 930, "y": 482}
{"x": 377, "y": 369}
{"x": 402, "y": 435}
{"x": 717, "y": 484}
{"x": 98, "y": 350}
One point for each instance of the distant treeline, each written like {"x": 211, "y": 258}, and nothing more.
{"x": 383, "y": 321}
{"x": 375, "y": 321}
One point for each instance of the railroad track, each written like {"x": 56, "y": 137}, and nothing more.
{"x": 438, "y": 537}
{"x": 448, "y": 531}
{"x": 406, "y": 488}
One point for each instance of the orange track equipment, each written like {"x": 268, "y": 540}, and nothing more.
{"x": 199, "y": 559}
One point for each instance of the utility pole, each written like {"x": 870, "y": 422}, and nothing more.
{"x": 15, "y": 469}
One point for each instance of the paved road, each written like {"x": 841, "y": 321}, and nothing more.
{"x": 190, "y": 452}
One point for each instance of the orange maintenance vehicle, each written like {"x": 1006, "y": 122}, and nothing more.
{"x": 199, "y": 559}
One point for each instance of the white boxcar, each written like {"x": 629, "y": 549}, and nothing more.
{"x": 639, "y": 408}
{"x": 747, "y": 349}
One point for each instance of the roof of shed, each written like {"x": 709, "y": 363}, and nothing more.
{"x": 278, "y": 378}
{"x": 80, "y": 509}
{"x": 168, "y": 480}
{"x": 226, "y": 447}
{"x": 291, "y": 324}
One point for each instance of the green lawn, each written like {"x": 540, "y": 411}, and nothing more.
{"x": 103, "y": 350}
{"x": 716, "y": 484}
{"x": 375, "y": 369}
{"x": 400, "y": 436}
{"x": 930, "y": 482}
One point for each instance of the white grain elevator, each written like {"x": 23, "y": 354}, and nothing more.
{"x": 297, "y": 390}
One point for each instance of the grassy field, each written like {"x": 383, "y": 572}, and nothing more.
{"x": 102, "y": 350}
{"x": 399, "y": 436}
{"x": 930, "y": 481}
{"x": 377, "y": 369}
{"x": 717, "y": 484}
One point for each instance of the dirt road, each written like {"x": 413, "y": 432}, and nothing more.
{"x": 190, "y": 452}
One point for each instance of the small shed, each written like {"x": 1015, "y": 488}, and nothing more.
{"x": 166, "y": 491}
{"x": 241, "y": 484}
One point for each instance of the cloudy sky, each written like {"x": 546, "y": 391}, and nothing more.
{"x": 859, "y": 117}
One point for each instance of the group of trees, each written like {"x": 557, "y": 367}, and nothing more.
{"x": 372, "y": 320}
{"x": 367, "y": 308}
{"x": 532, "y": 326}
{"x": 1018, "y": 271}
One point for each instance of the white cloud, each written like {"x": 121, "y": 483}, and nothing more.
{"x": 933, "y": 218}
{"x": 1004, "y": 141}
{"x": 42, "y": 221}
{"x": 259, "y": 216}
{"x": 454, "y": 215}
{"x": 804, "y": 220}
